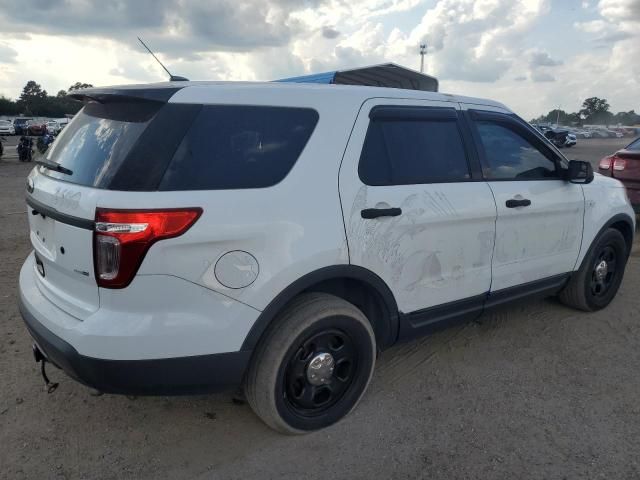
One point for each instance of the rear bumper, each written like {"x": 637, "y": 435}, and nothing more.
{"x": 169, "y": 376}
{"x": 159, "y": 336}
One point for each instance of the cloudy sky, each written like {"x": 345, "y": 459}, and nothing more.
{"x": 533, "y": 55}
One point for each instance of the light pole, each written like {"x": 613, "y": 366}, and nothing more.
{"x": 423, "y": 52}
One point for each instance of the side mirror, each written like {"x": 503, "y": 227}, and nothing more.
{"x": 579, "y": 172}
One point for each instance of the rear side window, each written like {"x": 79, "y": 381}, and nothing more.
{"x": 413, "y": 151}
{"x": 234, "y": 146}
{"x": 634, "y": 145}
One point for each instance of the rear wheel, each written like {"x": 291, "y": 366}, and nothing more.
{"x": 313, "y": 366}
{"x": 597, "y": 282}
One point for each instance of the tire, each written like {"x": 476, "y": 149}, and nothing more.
{"x": 582, "y": 291}
{"x": 279, "y": 386}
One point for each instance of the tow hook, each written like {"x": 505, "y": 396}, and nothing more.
{"x": 49, "y": 386}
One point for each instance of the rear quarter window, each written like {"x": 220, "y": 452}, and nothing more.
{"x": 236, "y": 146}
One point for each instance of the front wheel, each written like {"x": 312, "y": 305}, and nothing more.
{"x": 313, "y": 366}
{"x": 596, "y": 283}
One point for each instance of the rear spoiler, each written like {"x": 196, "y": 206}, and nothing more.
{"x": 135, "y": 93}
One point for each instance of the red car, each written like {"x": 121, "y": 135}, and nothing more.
{"x": 36, "y": 128}
{"x": 625, "y": 166}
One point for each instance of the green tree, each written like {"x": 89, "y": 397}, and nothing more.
{"x": 626, "y": 118}
{"x": 560, "y": 117}
{"x": 32, "y": 98}
{"x": 8, "y": 106}
{"x": 596, "y": 110}
{"x": 79, "y": 85}
{"x": 32, "y": 90}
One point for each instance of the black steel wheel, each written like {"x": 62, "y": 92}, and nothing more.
{"x": 313, "y": 366}
{"x": 319, "y": 372}
{"x": 600, "y": 275}
{"x": 603, "y": 271}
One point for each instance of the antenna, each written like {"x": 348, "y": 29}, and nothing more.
{"x": 172, "y": 78}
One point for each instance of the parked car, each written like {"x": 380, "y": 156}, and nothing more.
{"x": 579, "y": 133}
{"x": 36, "y": 128}
{"x": 278, "y": 236}
{"x": 557, "y": 136}
{"x": 20, "y": 125}
{"x": 602, "y": 133}
{"x": 570, "y": 141}
{"x": 7, "y": 128}
{"x": 624, "y": 165}
{"x": 52, "y": 127}
{"x": 624, "y": 131}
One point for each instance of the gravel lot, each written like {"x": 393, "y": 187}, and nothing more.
{"x": 536, "y": 390}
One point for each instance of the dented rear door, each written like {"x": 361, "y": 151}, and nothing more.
{"x": 414, "y": 213}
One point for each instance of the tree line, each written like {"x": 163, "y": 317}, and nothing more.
{"x": 594, "y": 111}
{"x": 35, "y": 101}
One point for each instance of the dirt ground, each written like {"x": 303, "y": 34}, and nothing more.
{"x": 536, "y": 390}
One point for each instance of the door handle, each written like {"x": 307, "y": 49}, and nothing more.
{"x": 513, "y": 203}
{"x": 380, "y": 212}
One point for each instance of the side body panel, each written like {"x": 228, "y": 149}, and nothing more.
{"x": 605, "y": 198}
{"x": 439, "y": 249}
{"x": 537, "y": 241}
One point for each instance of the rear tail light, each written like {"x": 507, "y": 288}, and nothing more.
{"x": 123, "y": 237}
{"x": 619, "y": 163}
{"x": 605, "y": 163}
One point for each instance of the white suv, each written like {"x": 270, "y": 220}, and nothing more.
{"x": 193, "y": 237}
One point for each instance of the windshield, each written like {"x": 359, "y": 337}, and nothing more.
{"x": 97, "y": 141}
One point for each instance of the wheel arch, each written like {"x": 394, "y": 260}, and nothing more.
{"x": 621, "y": 222}
{"x": 359, "y": 286}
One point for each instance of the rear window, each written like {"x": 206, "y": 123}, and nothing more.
{"x": 233, "y": 146}
{"x": 95, "y": 144}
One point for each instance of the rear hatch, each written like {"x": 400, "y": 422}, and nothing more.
{"x": 97, "y": 154}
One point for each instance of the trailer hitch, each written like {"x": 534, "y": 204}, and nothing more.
{"x": 49, "y": 386}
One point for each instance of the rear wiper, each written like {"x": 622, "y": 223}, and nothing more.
{"x": 54, "y": 166}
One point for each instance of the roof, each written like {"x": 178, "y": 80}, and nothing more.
{"x": 213, "y": 91}
{"x": 383, "y": 75}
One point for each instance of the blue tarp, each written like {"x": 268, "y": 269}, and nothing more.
{"x": 327, "y": 77}
{"x": 385, "y": 75}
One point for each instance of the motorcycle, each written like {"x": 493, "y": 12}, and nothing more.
{"x": 44, "y": 141}
{"x": 25, "y": 149}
